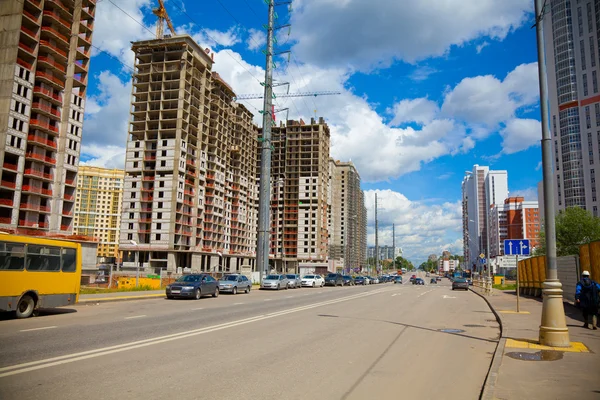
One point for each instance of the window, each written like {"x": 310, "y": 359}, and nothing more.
{"x": 69, "y": 260}
{"x": 12, "y": 256}
{"x": 580, "y": 21}
{"x": 590, "y": 21}
{"x": 594, "y": 82}
{"x": 43, "y": 258}
{"x": 582, "y": 49}
{"x": 585, "y": 85}
{"x": 592, "y": 52}
{"x": 158, "y": 236}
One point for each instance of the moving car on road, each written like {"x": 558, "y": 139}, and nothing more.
{"x": 460, "y": 283}
{"x": 294, "y": 280}
{"x": 334, "y": 280}
{"x": 433, "y": 280}
{"x": 418, "y": 281}
{"x": 275, "y": 281}
{"x": 398, "y": 279}
{"x": 234, "y": 283}
{"x": 193, "y": 286}
{"x": 313, "y": 281}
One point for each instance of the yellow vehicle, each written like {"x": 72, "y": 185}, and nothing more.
{"x": 36, "y": 272}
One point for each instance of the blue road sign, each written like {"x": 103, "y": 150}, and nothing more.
{"x": 513, "y": 247}
{"x": 482, "y": 261}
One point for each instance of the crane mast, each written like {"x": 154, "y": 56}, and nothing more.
{"x": 161, "y": 13}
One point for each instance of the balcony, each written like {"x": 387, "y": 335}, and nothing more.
{"x": 32, "y": 224}
{"x": 39, "y": 157}
{"x": 42, "y": 141}
{"x": 4, "y": 220}
{"x": 70, "y": 182}
{"x": 62, "y": 8}
{"x": 51, "y": 63}
{"x": 38, "y": 124}
{"x": 28, "y": 49}
{"x": 150, "y": 158}
{"x": 12, "y": 167}
{"x": 36, "y": 3}
{"x": 50, "y": 79}
{"x": 33, "y": 35}
{"x": 46, "y": 110}
{"x": 48, "y": 94}
{"x": 8, "y": 184}
{"x": 148, "y": 178}
{"x": 24, "y": 64}
{"x": 6, "y": 202}
{"x": 66, "y": 213}
{"x": 69, "y": 197}
{"x": 147, "y": 198}
{"x": 39, "y": 174}
{"x": 37, "y": 190}
{"x": 55, "y": 50}
{"x": 34, "y": 207}
{"x": 56, "y": 17}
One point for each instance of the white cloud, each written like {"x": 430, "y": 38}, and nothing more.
{"x": 213, "y": 37}
{"x": 421, "y": 229}
{"x": 520, "y": 134}
{"x": 481, "y": 46}
{"x": 366, "y": 35}
{"x": 256, "y": 39}
{"x": 419, "y": 110}
{"x": 539, "y": 166}
{"x": 530, "y": 194}
{"x": 422, "y": 73}
{"x": 104, "y": 156}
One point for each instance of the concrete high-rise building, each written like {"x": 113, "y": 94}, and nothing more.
{"x": 385, "y": 252}
{"x": 344, "y": 216}
{"x": 190, "y": 193}
{"x": 513, "y": 219}
{"x": 480, "y": 189}
{"x": 571, "y": 34}
{"x": 300, "y": 186}
{"x": 98, "y": 209}
{"x": 44, "y": 60}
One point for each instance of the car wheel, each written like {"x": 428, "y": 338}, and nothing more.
{"x": 216, "y": 294}
{"x": 170, "y": 297}
{"x": 314, "y": 284}
{"x": 322, "y": 284}
{"x": 247, "y": 290}
{"x": 278, "y": 287}
{"x": 234, "y": 291}
{"x": 198, "y": 294}
{"x": 25, "y": 307}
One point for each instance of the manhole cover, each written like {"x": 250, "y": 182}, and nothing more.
{"x": 451, "y": 330}
{"x": 474, "y": 326}
{"x": 544, "y": 355}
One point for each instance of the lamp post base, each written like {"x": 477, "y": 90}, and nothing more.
{"x": 553, "y": 329}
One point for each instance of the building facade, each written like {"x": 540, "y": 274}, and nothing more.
{"x": 571, "y": 33}
{"x": 44, "y": 62}
{"x": 189, "y": 193}
{"x": 385, "y": 252}
{"x": 98, "y": 209}
{"x": 513, "y": 219}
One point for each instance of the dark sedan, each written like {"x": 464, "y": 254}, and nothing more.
{"x": 193, "y": 286}
{"x": 433, "y": 280}
{"x": 360, "y": 280}
{"x": 398, "y": 279}
{"x": 348, "y": 280}
{"x": 334, "y": 280}
{"x": 460, "y": 283}
{"x": 418, "y": 281}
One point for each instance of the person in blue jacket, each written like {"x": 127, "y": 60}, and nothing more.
{"x": 587, "y": 298}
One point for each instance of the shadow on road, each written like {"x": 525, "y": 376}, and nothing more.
{"x": 42, "y": 312}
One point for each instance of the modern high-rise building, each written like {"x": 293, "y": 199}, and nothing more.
{"x": 513, "y": 219}
{"x": 571, "y": 34}
{"x": 44, "y": 61}
{"x": 98, "y": 209}
{"x": 480, "y": 189}
{"x": 190, "y": 193}
{"x": 345, "y": 251}
{"x": 385, "y": 252}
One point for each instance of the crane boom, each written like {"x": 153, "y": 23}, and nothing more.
{"x": 161, "y": 13}
{"x": 282, "y": 95}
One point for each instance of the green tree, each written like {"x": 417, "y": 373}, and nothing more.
{"x": 574, "y": 227}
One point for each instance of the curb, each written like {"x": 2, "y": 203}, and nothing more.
{"x": 121, "y": 298}
{"x": 489, "y": 386}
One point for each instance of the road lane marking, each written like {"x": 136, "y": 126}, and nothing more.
{"x": 38, "y": 329}
{"x": 396, "y": 294}
{"x": 448, "y": 297}
{"x": 289, "y": 297}
{"x": 199, "y": 308}
{"x": 135, "y": 316}
{"x": 69, "y": 358}
{"x": 237, "y": 304}
{"x": 267, "y": 299}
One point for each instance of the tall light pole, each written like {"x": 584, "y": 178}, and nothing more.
{"x": 137, "y": 263}
{"x": 376, "y": 237}
{"x": 553, "y": 328}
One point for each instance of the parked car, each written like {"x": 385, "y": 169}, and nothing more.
{"x": 294, "y": 280}
{"x": 460, "y": 283}
{"x": 368, "y": 280}
{"x": 274, "y": 281}
{"x": 374, "y": 279}
{"x": 360, "y": 280}
{"x": 398, "y": 279}
{"x": 418, "y": 281}
{"x": 313, "y": 281}
{"x": 193, "y": 286}
{"x": 334, "y": 280}
{"x": 348, "y": 280}
{"x": 234, "y": 283}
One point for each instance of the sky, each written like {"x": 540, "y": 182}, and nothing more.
{"x": 427, "y": 90}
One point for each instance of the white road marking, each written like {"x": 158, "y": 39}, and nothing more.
{"x": 38, "y": 329}
{"x": 199, "y": 308}
{"x": 237, "y": 304}
{"x": 69, "y": 358}
{"x": 136, "y": 316}
{"x": 267, "y": 299}
{"x": 289, "y": 297}
{"x": 448, "y": 297}
{"x": 396, "y": 294}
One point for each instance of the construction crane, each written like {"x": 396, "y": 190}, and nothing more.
{"x": 161, "y": 13}
{"x": 282, "y": 95}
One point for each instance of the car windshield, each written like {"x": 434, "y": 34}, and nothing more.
{"x": 332, "y": 275}
{"x": 272, "y": 277}
{"x": 190, "y": 278}
{"x": 460, "y": 280}
{"x": 309, "y": 277}
{"x": 347, "y": 277}
{"x": 291, "y": 276}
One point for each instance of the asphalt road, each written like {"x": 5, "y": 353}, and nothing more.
{"x": 379, "y": 341}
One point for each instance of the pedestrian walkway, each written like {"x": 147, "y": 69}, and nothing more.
{"x": 522, "y": 369}
{"x": 120, "y": 296}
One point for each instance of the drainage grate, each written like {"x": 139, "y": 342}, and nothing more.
{"x": 451, "y": 330}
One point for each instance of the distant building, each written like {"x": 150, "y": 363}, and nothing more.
{"x": 514, "y": 219}
{"x": 385, "y": 252}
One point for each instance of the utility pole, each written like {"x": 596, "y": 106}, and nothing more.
{"x": 394, "y": 246}
{"x": 376, "y": 237}
{"x": 264, "y": 206}
{"x": 553, "y": 328}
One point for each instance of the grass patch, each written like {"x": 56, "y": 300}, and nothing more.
{"x": 95, "y": 290}
{"x": 510, "y": 286}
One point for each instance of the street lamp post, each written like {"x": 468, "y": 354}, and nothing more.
{"x": 137, "y": 263}
{"x": 553, "y": 327}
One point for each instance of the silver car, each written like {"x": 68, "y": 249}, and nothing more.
{"x": 234, "y": 283}
{"x": 294, "y": 281}
{"x": 274, "y": 281}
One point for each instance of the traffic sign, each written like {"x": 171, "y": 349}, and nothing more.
{"x": 482, "y": 261}
{"x": 482, "y": 256}
{"x": 517, "y": 247}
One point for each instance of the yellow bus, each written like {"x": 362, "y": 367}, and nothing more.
{"x": 36, "y": 272}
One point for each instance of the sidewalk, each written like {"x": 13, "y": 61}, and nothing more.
{"x": 120, "y": 296}
{"x": 521, "y": 370}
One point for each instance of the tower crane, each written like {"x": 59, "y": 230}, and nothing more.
{"x": 161, "y": 13}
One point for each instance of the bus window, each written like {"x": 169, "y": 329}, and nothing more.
{"x": 69, "y": 258}
{"x": 43, "y": 258}
{"x": 12, "y": 256}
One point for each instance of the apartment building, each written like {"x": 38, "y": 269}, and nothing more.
{"x": 513, "y": 219}
{"x": 480, "y": 189}
{"x": 345, "y": 251}
{"x": 571, "y": 34}
{"x": 189, "y": 193}
{"x": 385, "y": 252}
{"x": 44, "y": 62}
{"x": 98, "y": 209}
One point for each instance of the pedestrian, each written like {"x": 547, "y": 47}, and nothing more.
{"x": 587, "y": 298}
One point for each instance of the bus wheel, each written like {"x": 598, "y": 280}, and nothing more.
{"x": 25, "y": 307}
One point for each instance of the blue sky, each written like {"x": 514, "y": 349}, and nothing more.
{"x": 426, "y": 92}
